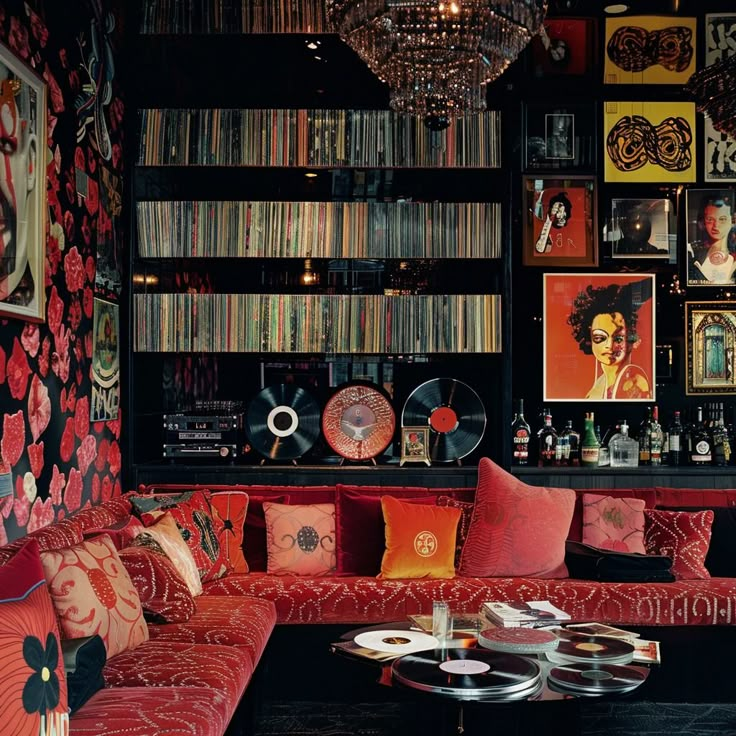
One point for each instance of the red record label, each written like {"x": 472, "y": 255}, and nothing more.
{"x": 358, "y": 422}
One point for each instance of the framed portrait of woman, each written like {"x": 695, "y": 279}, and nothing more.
{"x": 711, "y": 342}
{"x": 559, "y": 221}
{"x": 599, "y": 337}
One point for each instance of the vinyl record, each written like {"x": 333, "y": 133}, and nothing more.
{"x": 598, "y": 649}
{"x": 521, "y": 640}
{"x": 282, "y": 422}
{"x": 468, "y": 674}
{"x": 358, "y": 421}
{"x": 396, "y": 641}
{"x": 454, "y": 413}
{"x": 597, "y": 679}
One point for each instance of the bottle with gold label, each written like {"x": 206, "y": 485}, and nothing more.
{"x": 590, "y": 446}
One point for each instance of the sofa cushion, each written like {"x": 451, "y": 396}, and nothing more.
{"x": 703, "y": 497}
{"x": 420, "y": 540}
{"x": 105, "y": 514}
{"x": 163, "y": 592}
{"x": 648, "y": 495}
{"x": 121, "y": 532}
{"x": 254, "y": 534}
{"x": 516, "y": 529}
{"x": 683, "y": 536}
{"x": 148, "y": 711}
{"x": 58, "y": 535}
{"x": 176, "y": 664}
{"x": 300, "y": 538}
{"x": 31, "y": 666}
{"x": 233, "y": 620}
{"x": 229, "y": 509}
{"x": 93, "y": 594}
{"x": 613, "y": 523}
{"x": 466, "y": 514}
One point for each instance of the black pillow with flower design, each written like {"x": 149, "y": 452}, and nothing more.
{"x": 33, "y": 697}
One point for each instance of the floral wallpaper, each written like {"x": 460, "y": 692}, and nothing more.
{"x": 58, "y": 460}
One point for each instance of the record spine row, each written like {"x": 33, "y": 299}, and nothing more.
{"x": 211, "y": 229}
{"x": 233, "y": 16}
{"x": 317, "y": 323}
{"x": 272, "y": 137}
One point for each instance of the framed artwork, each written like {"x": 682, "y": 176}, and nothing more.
{"x": 711, "y": 237}
{"x": 720, "y": 36}
{"x": 414, "y": 445}
{"x": 711, "y": 341}
{"x": 23, "y": 93}
{"x": 599, "y": 337}
{"x": 642, "y": 228}
{"x": 105, "y": 362}
{"x": 564, "y": 46}
{"x": 559, "y": 221}
{"x": 649, "y": 142}
{"x": 720, "y": 154}
{"x": 559, "y": 136}
{"x": 649, "y": 49}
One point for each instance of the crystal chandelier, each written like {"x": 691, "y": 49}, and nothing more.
{"x": 437, "y": 56}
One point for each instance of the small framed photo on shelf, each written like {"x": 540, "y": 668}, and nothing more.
{"x": 711, "y": 237}
{"x": 414, "y": 445}
{"x": 559, "y": 136}
{"x": 642, "y": 228}
{"x": 563, "y": 47}
{"x": 22, "y": 283}
{"x": 559, "y": 221}
{"x": 711, "y": 341}
{"x": 599, "y": 337}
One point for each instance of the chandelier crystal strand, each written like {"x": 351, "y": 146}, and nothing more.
{"x": 437, "y": 56}
{"x": 714, "y": 91}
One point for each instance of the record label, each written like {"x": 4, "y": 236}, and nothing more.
{"x": 580, "y": 648}
{"x": 465, "y": 667}
{"x": 396, "y": 641}
{"x": 597, "y": 679}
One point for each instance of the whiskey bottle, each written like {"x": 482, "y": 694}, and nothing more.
{"x": 520, "y": 434}
{"x": 547, "y": 441}
{"x": 590, "y": 445}
{"x": 721, "y": 442}
{"x": 675, "y": 432}
{"x": 645, "y": 433}
{"x": 656, "y": 438}
{"x": 573, "y": 444}
{"x": 701, "y": 448}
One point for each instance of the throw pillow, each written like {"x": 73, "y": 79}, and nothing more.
{"x": 33, "y": 697}
{"x": 254, "y": 536}
{"x": 122, "y": 533}
{"x": 613, "y": 523}
{"x": 420, "y": 540}
{"x": 166, "y": 534}
{"x": 684, "y": 536}
{"x": 164, "y": 595}
{"x": 93, "y": 594}
{"x": 192, "y": 513}
{"x": 516, "y": 529}
{"x": 229, "y": 510}
{"x": 300, "y": 538}
{"x": 466, "y": 514}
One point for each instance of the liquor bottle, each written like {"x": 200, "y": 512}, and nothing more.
{"x": 721, "y": 442}
{"x": 547, "y": 441}
{"x": 645, "y": 431}
{"x": 624, "y": 450}
{"x": 701, "y": 453}
{"x": 573, "y": 444}
{"x": 675, "y": 432}
{"x": 520, "y": 434}
{"x": 656, "y": 438}
{"x": 604, "y": 459}
{"x": 590, "y": 446}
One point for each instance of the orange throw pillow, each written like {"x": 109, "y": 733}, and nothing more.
{"x": 420, "y": 540}
{"x": 229, "y": 509}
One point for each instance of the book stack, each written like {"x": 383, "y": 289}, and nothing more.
{"x": 523, "y": 613}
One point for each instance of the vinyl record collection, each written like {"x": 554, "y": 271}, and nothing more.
{"x": 373, "y": 138}
{"x": 317, "y": 323}
{"x": 216, "y": 229}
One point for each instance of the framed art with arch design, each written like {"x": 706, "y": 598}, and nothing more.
{"x": 711, "y": 344}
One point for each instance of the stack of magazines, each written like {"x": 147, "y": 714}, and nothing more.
{"x": 531, "y": 614}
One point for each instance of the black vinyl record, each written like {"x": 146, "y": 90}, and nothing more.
{"x": 597, "y": 679}
{"x": 580, "y": 648}
{"x": 454, "y": 413}
{"x": 468, "y": 674}
{"x": 282, "y": 422}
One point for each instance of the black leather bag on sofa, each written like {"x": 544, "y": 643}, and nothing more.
{"x": 591, "y": 563}
{"x": 84, "y": 659}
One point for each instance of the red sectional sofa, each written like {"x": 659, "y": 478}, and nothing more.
{"x": 197, "y": 671}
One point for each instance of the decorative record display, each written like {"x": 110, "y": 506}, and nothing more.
{"x": 597, "y": 679}
{"x": 521, "y": 640}
{"x": 454, "y": 413}
{"x": 282, "y": 422}
{"x": 599, "y": 649}
{"x": 396, "y": 641}
{"x": 358, "y": 422}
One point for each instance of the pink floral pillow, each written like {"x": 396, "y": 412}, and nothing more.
{"x": 300, "y": 539}
{"x": 682, "y": 535}
{"x": 613, "y": 523}
{"x": 93, "y": 594}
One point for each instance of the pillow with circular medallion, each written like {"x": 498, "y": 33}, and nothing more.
{"x": 33, "y": 697}
{"x": 93, "y": 594}
{"x": 420, "y": 540}
{"x": 300, "y": 539}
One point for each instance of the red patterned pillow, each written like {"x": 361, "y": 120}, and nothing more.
{"x": 229, "y": 509}
{"x": 254, "y": 536}
{"x": 466, "y": 514}
{"x": 613, "y": 523}
{"x": 93, "y": 594}
{"x": 516, "y": 529}
{"x": 162, "y": 590}
{"x": 122, "y": 533}
{"x": 684, "y": 536}
{"x": 33, "y": 696}
{"x": 192, "y": 513}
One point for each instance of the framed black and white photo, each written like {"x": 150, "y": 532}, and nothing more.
{"x": 720, "y": 154}
{"x": 559, "y": 135}
{"x": 642, "y": 228}
{"x": 720, "y": 36}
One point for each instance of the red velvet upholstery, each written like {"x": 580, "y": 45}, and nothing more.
{"x": 103, "y": 514}
{"x": 703, "y": 497}
{"x": 175, "y": 664}
{"x": 58, "y": 535}
{"x": 234, "y": 620}
{"x": 146, "y": 711}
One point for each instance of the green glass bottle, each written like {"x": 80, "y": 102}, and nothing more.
{"x": 590, "y": 446}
